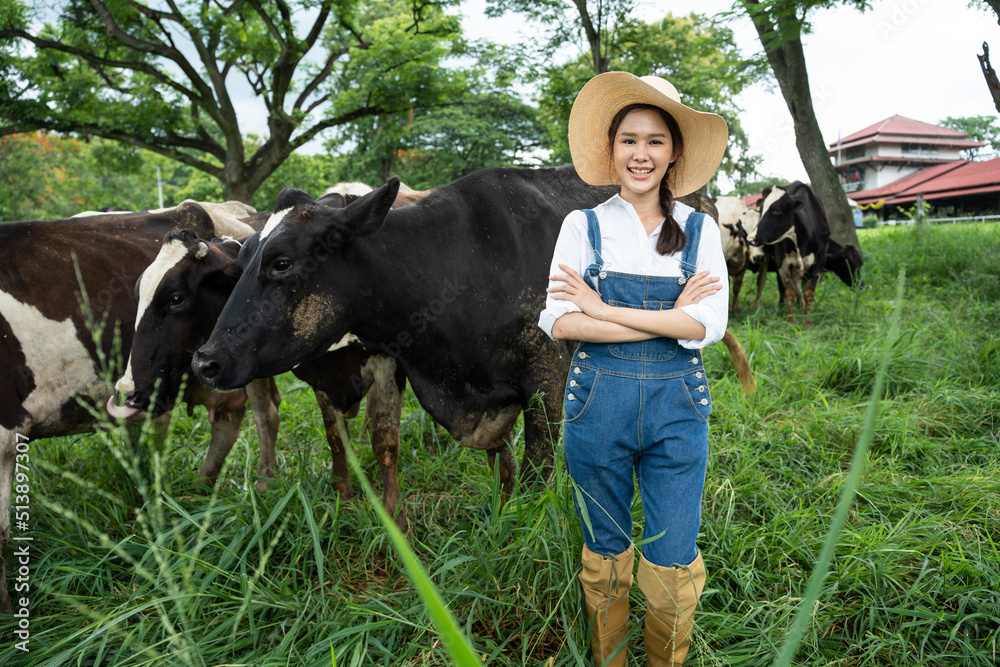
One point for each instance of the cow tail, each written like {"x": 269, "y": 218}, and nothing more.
{"x": 740, "y": 361}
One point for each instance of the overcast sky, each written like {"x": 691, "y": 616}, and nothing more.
{"x": 915, "y": 58}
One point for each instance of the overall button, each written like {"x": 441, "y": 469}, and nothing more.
{"x": 582, "y": 355}
{"x": 702, "y": 389}
{"x": 681, "y": 280}
{"x": 698, "y": 375}
{"x": 577, "y": 370}
{"x": 573, "y": 383}
{"x": 704, "y": 401}
{"x": 602, "y": 275}
{"x": 570, "y": 397}
{"x": 693, "y": 361}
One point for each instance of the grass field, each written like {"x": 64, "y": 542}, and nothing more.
{"x": 130, "y": 565}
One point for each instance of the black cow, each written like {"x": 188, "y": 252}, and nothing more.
{"x": 49, "y": 358}
{"x": 451, "y": 287}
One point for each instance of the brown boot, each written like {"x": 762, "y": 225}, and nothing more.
{"x": 606, "y": 582}
{"x": 672, "y": 595}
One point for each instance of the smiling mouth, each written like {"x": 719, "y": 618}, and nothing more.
{"x": 640, "y": 172}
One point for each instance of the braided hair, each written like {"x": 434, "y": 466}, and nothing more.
{"x": 671, "y": 235}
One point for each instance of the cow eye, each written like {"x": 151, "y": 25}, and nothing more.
{"x": 281, "y": 265}
{"x": 176, "y": 301}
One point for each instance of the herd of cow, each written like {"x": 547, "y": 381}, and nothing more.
{"x": 356, "y": 293}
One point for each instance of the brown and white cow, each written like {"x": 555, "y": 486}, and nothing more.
{"x": 49, "y": 358}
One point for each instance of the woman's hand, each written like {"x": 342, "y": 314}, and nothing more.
{"x": 697, "y": 288}
{"x": 577, "y": 290}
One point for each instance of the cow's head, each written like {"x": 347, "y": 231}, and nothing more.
{"x": 777, "y": 216}
{"x": 747, "y": 225}
{"x": 180, "y": 296}
{"x": 299, "y": 291}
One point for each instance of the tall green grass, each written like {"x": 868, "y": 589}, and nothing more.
{"x": 134, "y": 565}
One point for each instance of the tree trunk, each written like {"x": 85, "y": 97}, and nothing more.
{"x": 991, "y": 76}
{"x": 783, "y": 46}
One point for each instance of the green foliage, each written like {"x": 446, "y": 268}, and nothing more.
{"x": 699, "y": 56}
{"x": 44, "y": 176}
{"x": 135, "y": 566}
{"x": 980, "y": 128}
{"x": 917, "y": 211}
{"x": 169, "y": 78}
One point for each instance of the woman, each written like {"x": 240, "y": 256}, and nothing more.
{"x": 641, "y": 281}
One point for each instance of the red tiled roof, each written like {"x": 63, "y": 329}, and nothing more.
{"x": 947, "y": 180}
{"x": 899, "y": 129}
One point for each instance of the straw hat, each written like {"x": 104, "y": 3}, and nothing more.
{"x": 705, "y": 134}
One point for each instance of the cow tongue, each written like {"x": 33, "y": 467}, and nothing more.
{"x": 120, "y": 412}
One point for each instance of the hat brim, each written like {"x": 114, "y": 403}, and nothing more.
{"x": 705, "y": 134}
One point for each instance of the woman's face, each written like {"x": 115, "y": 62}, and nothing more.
{"x": 642, "y": 151}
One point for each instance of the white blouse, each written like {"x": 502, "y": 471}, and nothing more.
{"x": 626, "y": 248}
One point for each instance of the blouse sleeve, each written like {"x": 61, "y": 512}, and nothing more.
{"x": 712, "y": 312}
{"x": 572, "y": 248}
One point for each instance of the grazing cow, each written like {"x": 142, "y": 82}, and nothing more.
{"x": 179, "y": 307}
{"x": 451, "y": 287}
{"x": 49, "y": 357}
{"x": 732, "y": 213}
{"x": 793, "y": 223}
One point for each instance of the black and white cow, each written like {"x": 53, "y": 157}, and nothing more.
{"x": 180, "y": 298}
{"x": 451, "y": 287}
{"x": 810, "y": 222}
{"x": 794, "y": 229}
{"x": 736, "y": 223}
{"x": 49, "y": 358}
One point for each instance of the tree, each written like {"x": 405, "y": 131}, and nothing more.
{"x": 44, "y": 176}
{"x": 780, "y": 25}
{"x": 568, "y": 20}
{"x": 167, "y": 76}
{"x": 490, "y": 127}
{"x": 980, "y": 128}
{"x": 700, "y": 56}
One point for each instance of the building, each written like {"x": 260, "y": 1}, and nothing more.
{"x": 900, "y": 160}
{"x": 893, "y": 149}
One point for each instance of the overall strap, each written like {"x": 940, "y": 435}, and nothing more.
{"x": 692, "y": 238}
{"x": 594, "y": 234}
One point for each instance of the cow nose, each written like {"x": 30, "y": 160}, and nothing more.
{"x": 204, "y": 367}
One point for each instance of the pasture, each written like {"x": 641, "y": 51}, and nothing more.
{"x": 131, "y": 565}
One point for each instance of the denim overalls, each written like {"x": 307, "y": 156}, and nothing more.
{"x": 639, "y": 407}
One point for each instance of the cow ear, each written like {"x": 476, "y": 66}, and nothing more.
{"x": 797, "y": 206}
{"x": 290, "y": 197}
{"x": 202, "y": 250}
{"x": 368, "y": 213}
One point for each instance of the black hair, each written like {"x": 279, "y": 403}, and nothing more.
{"x": 671, "y": 236}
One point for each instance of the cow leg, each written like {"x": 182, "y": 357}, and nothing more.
{"x": 264, "y": 401}
{"x": 761, "y": 282}
{"x": 384, "y": 418}
{"x": 737, "y": 285}
{"x": 505, "y": 452}
{"x": 8, "y": 457}
{"x": 542, "y": 423}
{"x": 224, "y": 434}
{"x": 789, "y": 282}
{"x": 810, "y": 293}
{"x": 338, "y": 455}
